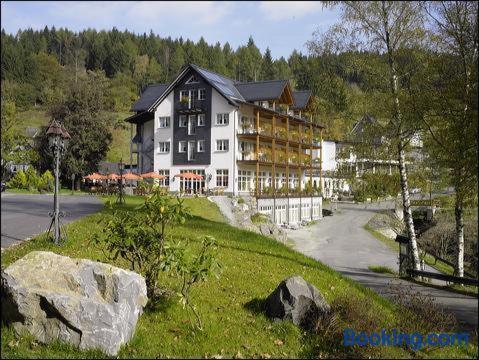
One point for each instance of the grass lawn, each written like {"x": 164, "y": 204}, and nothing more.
{"x": 62, "y": 192}
{"x": 234, "y": 325}
{"x": 382, "y": 269}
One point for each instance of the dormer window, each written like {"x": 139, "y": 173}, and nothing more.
{"x": 192, "y": 80}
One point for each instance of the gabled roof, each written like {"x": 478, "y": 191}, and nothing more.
{"x": 262, "y": 90}
{"x": 225, "y": 86}
{"x": 149, "y": 96}
{"x": 301, "y": 99}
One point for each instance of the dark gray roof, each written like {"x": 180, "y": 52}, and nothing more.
{"x": 261, "y": 90}
{"x": 301, "y": 99}
{"x": 224, "y": 85}
{"x": 148, "y": 97}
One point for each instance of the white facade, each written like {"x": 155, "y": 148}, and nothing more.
{"x": 220, "y": 160}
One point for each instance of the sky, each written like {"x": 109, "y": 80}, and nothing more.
{"x": 282, "y": 26}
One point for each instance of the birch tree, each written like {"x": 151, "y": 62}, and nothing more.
{"x": 387, "y": 28}
{"x": 452, "y": 118}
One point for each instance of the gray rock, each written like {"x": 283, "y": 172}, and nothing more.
{"x": 297, "y": 300}
{"x": 244, "y": 207}
{"x": 82, "y": 302}
{"x": 264, "y": 229}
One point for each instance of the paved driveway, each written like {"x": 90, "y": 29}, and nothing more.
{"x": 340, "y": 242}
{"x": 25, "y": 216}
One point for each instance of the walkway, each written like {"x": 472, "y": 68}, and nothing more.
{"x": 341, "y": 242}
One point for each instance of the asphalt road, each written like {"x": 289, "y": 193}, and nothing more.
{"x": 341, "y": 242}
{"x": 25, "y": 216}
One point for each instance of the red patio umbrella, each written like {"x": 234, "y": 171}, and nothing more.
{"x": 131, "y": 176}
{"x": 152, "y": 175}
{"x": 189, "y": 175}
{"x": 112, "y": 176}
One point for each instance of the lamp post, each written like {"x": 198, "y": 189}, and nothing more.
{"x": 120, "y": 199}
{"x": 57, "y": 141}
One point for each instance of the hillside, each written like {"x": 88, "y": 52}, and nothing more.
{"x": 230, "y": 306}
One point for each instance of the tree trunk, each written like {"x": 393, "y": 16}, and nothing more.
{"x": 408, "y": 220}
{"x": 459, "y": 212}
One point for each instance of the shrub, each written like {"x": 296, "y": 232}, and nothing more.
{"x": 139, "y": 236}
{"x": 259, "y": 218}
{"x": 33, "y": 180}
{"x": 46, "y": 182}
{"x": 240, "y": 200}
{"x": 18, "y": 181}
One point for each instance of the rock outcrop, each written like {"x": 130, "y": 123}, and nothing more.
{"x": 82, "y": 302}
{"x": 297, "y": 300}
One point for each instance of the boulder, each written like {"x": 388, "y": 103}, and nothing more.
{"x": 297, "y": 300}
{"x": 82, "y": 302}
{"x": 244, "y": 207}
{"x": 264, "y": 229}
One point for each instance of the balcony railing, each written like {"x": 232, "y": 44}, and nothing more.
{"x": 191, "y": 106}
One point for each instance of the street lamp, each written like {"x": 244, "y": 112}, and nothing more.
{"x": 57, "y": 142}
{"x": 120, "y": 199}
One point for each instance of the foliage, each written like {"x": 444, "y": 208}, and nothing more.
{"x": 18, "y": 181}
{"x": 139, "y": 237}
{"x": 259, "y": 218}
{"x": 192, "y": 268}
{"x": 80, "y": 113}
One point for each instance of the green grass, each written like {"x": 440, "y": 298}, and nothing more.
{"x": 253, "y": 265}
{"x": 382, "y": 269}
{"x": 259, "y": 218}
{"x": 36, "y": 192}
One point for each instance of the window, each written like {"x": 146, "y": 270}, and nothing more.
{"x": 222, "y": 145}
{"x": 201, "y": 94}
{"x": 194, "y": 94}
{"x": 164, "y": 147}
{"x": 192, "y": 80}
{"x": 184, "y": 94}
{"x": 183, "y": 121}
{"x": 164, "y": 122}
{"x": 192, "y": 125}
{"x": 244, "y": 180}
{"x": 200, "y": 146}
{"x": 201, "y": 120}
{"x": 191, "y": 150}
{"x": 222, "y": 177}
{"x": 166, "y": 180}
{"x": 182, "y": 146}
{"x": 222, "y": 119}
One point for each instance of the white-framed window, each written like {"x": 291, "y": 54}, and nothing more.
{"x": 222, "y": 177}
{"x": 164, "y": 122}
{"x": 192, "y": 80}
{"x": 244, "y": 180}
{"x": 201, "y": 119}
{"x": 222, "y": 145}
{"x": 192, "y": 125}
{"x": 182, "y": 146}
{"x": 200, "y": 146}
{"x": 191, "y": 150}
{"x": 222, "y": 119}
{"x": 194, "y": 94}
{"x": 164, "y": 147}
{"x": 183, "y": 121}
{"x": 166, "y": 180}
{"x": 202, "y": 94}
{"x": 184, "y": 94}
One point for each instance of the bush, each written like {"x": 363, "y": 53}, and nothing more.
{"x": 240, "y": 200}
{"x": 46, "y": 182}
{"x": 258, "y": 218}
{"x": 18, "y": 181}
{"x": 33, "y": 180}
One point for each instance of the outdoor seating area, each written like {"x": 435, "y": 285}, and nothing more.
{"x": 109, "y": 184}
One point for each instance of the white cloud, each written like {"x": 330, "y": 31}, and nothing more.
{"x": 280, "y": 10}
